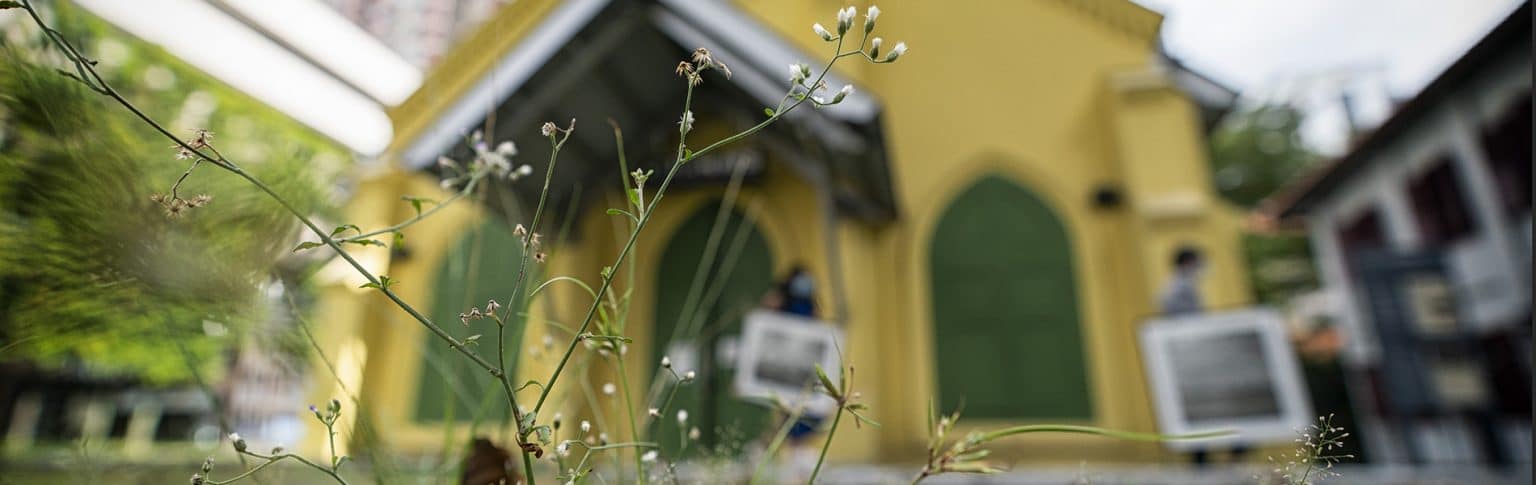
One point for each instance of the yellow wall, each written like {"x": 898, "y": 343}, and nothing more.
{"x": 1058, "y": 96}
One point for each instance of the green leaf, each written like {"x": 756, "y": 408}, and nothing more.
{"x": 768, "y": 111}
{"x": 530, "y": 382}
{"x": 544, "y": 434}
{"x": 615, "y": 212}
{"x": 826, "y": 382}
{"x": 306, "y": 245}
{"x": 416, "y": 202}
{"x": 343, "y": 228}
{"x": 366, "y": 242}
{"x": 864, "y": 419}
{"x": 383, "y": 284}
{"x": 472, "y": 340}
{"x": 399, "y": 239}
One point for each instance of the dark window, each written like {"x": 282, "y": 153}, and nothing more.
{"x": 1508, "y": 145}
{"x": 1439, "y": 206}
{"x": 1362, "y": 233}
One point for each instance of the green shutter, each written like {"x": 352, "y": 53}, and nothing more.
{"x": 483, "y": 265}
{"x": 708, "y": 400}
{"x": 1006, "y": 327}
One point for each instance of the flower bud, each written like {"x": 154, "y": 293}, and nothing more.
{"x": 874, "y": 47}
{"x": 208, "y": 465}
{"x": 844, "y": 20}
{"x": 869, "y": 18}
{"x": 238, "y": 442}
{"x": 901, "y": 48}
{"x": 842, "y": 93}
{"x": 682, "y": 416}
{"x": 666, "y": 362}
{"x": 822, "y": 31}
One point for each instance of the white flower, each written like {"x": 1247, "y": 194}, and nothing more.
{"x": 901, "y": 48}
{"x": 586, "y": 426}
{"x": 506, "y": 149}
{"x": 655, "y": 413}
{"x": 795, "y": 74}
{"x": 822, "y": 31}
{"x": 874, "y": 47}
{"x": 686, "y": 123}
{"x": 649, "y": 456}
{"x": 869, "y": 18}
{"x": 548, "y": 129}
{"x": 845, "y": 19}
{"x": 842, "y": 93}
{"x": 689, "y": 376}
{"x": 666, "y": 362}
{"x": 609, "y": 388}
{"x": 693, "y": 433}
{"x": 682, "y": 416}
{"x": 563, "y": 449}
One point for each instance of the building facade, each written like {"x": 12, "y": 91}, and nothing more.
{"x": 1423, "y": 234}
{"x": 988, "y": 219}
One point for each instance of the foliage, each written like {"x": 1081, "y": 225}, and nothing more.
{"x": 92, "y": 271}
{"x": 1255, "y": 153}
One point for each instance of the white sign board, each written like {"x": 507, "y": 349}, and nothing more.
{"x": 1228, "y": 370}
{"x": 777, "y": 360}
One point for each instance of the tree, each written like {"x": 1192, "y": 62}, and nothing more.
{"x": 1254, "y": 153}
{"x": 94, "y": 274}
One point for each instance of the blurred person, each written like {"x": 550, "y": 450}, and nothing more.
{"x": 1181, "y": 297}
{"x": 795, "y": 295}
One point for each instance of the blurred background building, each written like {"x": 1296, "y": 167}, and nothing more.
{"x": 988, "y": 238}
{"x": 989, "y": 220}
{"x": 1422, "y": 232}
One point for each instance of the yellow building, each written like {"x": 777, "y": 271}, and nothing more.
{"x": 989, "y": 219}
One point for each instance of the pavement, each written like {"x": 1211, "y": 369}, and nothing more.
{"x": 1155, "y": 475}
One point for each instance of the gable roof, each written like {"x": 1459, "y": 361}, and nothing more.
{"x": 497, "y": 60}
{"x": 1514, "y": 32}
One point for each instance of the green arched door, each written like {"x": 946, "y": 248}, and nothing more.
{"x": 736, "y": 276}
{"x": 1005, "y": 312}
{"x": 481, "y": 266}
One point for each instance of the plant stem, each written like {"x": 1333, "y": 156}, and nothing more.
{"x": 629, "y": 407}
{"x": 836, "y": 418}
{"x": 773, "y": 446}
{"x": 274, "y": 459}
{"x": 468, "y": 188}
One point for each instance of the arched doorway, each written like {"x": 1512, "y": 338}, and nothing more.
{"x": 481, "y": 266}
{"x": 1005, "y": 312}
{"x": 706, "y": 315}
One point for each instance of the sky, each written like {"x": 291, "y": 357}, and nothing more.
{"x": 1308, "y": 51}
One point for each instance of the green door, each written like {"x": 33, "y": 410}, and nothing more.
{"x": 736, "y": 276}
{"x": 481, "y": 266}
{"x": 1009, "y": 341}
